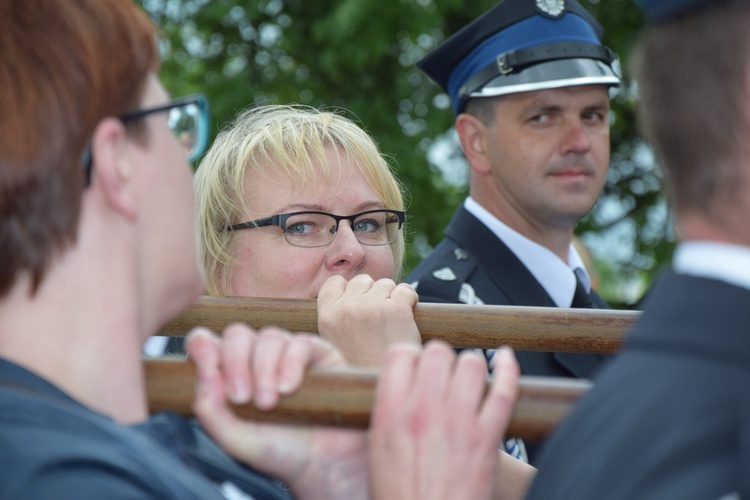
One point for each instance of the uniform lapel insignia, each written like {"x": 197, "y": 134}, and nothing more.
{"x": 460, "y": 254}
{"x": 445, "y": 274}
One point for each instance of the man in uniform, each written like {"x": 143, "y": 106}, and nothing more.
{"x": 529, "y": 85}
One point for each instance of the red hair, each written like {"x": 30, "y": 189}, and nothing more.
{"x": 66, "y": 65}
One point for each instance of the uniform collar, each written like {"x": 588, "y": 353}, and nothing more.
{"x": 548, "y": 269}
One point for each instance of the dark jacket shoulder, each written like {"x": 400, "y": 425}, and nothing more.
{"x": 54, "y": 447}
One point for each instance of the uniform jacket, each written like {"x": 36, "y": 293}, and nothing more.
{"x": 51, "y": 446}
{"x": 473, "y": 266}
{"x": 670, "y": 417}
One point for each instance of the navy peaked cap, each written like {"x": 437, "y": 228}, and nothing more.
{"x": 659, "y": 11}
{"x": 521, "y": 46}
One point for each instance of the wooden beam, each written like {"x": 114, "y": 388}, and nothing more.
{"x": 523, "y": 328}
{"x": 344, "y": 397}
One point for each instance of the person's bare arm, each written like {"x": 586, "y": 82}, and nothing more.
{"x": 513, "y": 478}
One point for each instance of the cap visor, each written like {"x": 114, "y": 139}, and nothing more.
{"x": 551, "y": 75}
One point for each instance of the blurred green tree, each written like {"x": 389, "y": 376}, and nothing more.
{"x": 359, "y": 55}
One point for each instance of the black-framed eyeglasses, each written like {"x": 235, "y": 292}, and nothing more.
{"x": 188, "y": 120}
{"x": 317, "y": 229}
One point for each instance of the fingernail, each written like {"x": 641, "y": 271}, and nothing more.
{"x": 284, "y": 387}
{"x": 264, "y": 398}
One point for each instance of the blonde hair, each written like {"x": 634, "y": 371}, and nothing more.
{"x": 293, "y": 141}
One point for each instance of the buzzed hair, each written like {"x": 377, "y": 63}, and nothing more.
{"x": 693, "y": 103}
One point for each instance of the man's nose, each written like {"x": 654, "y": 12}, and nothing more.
{"x": 576, "y": 138}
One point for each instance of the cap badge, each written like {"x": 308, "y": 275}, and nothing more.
{"x": 553, "y": 8}
{"x": 445, "y": 274}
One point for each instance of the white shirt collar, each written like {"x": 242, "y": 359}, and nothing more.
{"x": 550, "y": 271}
{"x": 710, "y": 259}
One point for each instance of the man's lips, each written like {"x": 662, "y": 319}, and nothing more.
{"x": 571, "y": 172}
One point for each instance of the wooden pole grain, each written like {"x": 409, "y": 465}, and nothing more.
{"x": 523, "y": 328}
{"x": 344, "y": 397}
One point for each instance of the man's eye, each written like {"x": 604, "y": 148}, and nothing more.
{"x": 593, "y": 117}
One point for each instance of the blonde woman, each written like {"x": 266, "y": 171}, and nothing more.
{"x": 296, "y": 202}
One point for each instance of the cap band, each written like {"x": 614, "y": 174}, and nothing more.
{"x": 516, "y": 60}
{"x": 551, "y": 75}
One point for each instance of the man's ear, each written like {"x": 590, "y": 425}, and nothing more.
{"x": 112, "y": 173}
{"x": 473, "y": 134}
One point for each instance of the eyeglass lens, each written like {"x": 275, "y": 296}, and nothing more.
{"x": 311, "y": 229}
{"x": 184, "y": 121}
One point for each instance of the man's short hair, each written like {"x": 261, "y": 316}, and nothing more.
{"x": 693, "y": 101}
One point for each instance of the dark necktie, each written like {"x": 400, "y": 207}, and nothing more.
{"x": 580, "y": 297}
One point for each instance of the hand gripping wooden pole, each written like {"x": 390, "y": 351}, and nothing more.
{"x": 523, "y": 328}
{"x": 344, "y": 397}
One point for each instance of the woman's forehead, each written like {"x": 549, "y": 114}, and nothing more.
{"x": 303, "y": 171}
{"x": 344, "y": 185}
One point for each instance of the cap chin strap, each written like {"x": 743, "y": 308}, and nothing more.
{"x": 515, "y": 61}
